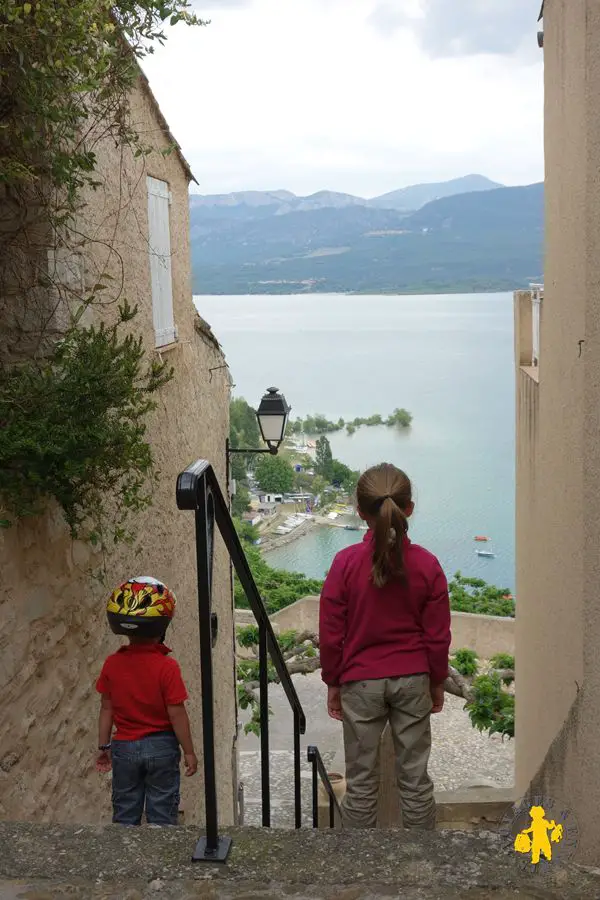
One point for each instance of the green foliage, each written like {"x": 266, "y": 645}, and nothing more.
{"x": 343, "y": 475}
{"x": 503, "y": 661}
{"x": 277, "y": 587}
{"x": 465, "y": 662}
{"x": 248, "y": 534}
{"x": 64, "y": 68}
{"x": 474, "y": 595}
{"x": 492, "y": 708}
{"x": 401, "y": 418}
{"x": 74, "y": 431}
{"x": 243, "y": 425}
{"x": 240, "y": 502}
{"x": 320, "y": 424}
{"x": 324, "y": 459}
{"x": 247, "y": 636}
{"x": 274, "y": 474}
{"x": 72, "y": 418}
{"x": 247, "y": 672}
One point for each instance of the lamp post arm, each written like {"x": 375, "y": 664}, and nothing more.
{"x": 273, "y": 450}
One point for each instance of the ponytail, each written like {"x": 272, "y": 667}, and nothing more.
{"x": 390, "y": 529}
{"x": 384, "y": 495}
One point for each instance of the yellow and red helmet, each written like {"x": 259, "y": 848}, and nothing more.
{"x": 141, "y": 606}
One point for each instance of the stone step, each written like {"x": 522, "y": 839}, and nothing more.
{"x": 44, "y": 862}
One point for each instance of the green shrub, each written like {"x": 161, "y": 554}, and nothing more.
{"x": 474, "y": 595}
{"x": 503, "y": 661}
{"x": 74, "y": 430}
{"x": 492, "y": 708}
{"x": 465, "y": 662}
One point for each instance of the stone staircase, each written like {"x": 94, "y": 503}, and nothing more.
{"x": 44, "y": 862}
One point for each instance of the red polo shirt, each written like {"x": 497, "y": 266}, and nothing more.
{"x": 141, "y": 681}
{"x": 368, "y": 632}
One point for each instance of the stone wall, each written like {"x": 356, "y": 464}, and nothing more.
{"x": 558, "y": 460}
{"x": 484, "y": 634}
{"x": 53, "y": 631}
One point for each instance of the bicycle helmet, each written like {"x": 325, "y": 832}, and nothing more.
{"x": 141, "y": 606}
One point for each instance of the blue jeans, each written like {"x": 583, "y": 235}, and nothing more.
{"x": 146, "y": 772}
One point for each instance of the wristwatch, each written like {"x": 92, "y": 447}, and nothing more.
{"x": 104, "y": 747}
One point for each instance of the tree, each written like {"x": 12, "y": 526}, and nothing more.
{"x": 240, "y": 502}
{"x": 324, "y": 459}
{"x": 343, "y": 475}
{"x": 274, "y": 475}
{"x": 243, "y": 426}
{"x": 400, "y": 417}
{"x": 474, "y": 595}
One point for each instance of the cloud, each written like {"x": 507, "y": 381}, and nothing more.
{"x": 204, "y": 7}
{"x": 464, "y": 28}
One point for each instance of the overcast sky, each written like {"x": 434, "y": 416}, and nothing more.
{"x": 360, "y": 96}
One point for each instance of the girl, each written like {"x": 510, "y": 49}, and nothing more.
{"x": 384, "y": 640}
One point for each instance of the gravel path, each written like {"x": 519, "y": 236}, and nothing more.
{"x": 460, "y": 755}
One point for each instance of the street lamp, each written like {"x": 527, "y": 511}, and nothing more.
{"x": 272, "y": 415}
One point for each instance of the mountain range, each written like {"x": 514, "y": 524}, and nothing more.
{"x": 468, "y": 234}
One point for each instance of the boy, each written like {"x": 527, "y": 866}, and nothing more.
{"x": 143, "y": 695}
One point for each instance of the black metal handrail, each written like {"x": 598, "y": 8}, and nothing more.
{"x": 198, "y": 489}
{"x": 319, "y": 771}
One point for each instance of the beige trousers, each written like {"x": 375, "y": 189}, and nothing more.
{"x": 367, "y": 706}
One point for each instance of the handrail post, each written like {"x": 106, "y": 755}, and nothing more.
{"x": 315, "y": 787}
{"x": 297, "y": 774}
{"x": 263, "y": 676}
{"x": 192, "y": 493}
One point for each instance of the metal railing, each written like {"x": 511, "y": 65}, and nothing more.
{"x": 537, "y": 296}
{"x": 198, "y": 490}
{"x": 319, "y": 771}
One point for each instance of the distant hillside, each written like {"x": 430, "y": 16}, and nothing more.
{"x": 477, "y": 241}
{"x": 413, "y": 198}
{"x": 406, "y": 199}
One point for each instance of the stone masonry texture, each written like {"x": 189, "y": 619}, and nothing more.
{"x": 53, "y": 631}
{"x": 113, "y": 863}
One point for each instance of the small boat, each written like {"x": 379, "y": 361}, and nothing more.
{"x": 481, "y": 538}
{"x": 352, "y": 527}
{"x": 486, "y": 553}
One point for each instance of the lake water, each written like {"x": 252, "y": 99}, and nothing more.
{"x": 447, "y": 359}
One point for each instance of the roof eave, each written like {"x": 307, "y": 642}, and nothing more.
{"x": 165, "y": 127}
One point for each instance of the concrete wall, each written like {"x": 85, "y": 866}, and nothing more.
{"x": 484, "y": 634}
{"x": 558, "y": 434}
{"x": 53, "y": 631}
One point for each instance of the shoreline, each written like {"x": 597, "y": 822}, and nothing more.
{"x": 274, "y": 542}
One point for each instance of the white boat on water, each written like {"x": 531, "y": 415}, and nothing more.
{"x": 486, "y": 553}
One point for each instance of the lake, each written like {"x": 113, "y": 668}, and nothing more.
{"x": 447, "y": 359}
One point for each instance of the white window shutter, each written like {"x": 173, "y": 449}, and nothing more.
{"x": 159, "y": 248}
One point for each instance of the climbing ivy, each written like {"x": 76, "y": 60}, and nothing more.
{"x": 65, "y": 67}
{"x": 73, "y": 403}
{"x": 72, "y": 429}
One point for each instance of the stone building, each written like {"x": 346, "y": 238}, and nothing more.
{"x": 558, "y": 443}
{"x": 53, "y": 631}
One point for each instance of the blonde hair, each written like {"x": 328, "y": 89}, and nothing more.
{"x": 384, "y": 494}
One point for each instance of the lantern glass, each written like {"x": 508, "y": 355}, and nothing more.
{"x": 272, "y": 415}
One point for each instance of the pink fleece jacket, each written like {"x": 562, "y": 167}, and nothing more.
{"x": 368, "y": 632}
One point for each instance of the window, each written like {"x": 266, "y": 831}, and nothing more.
{"x": 159, "y": 249}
